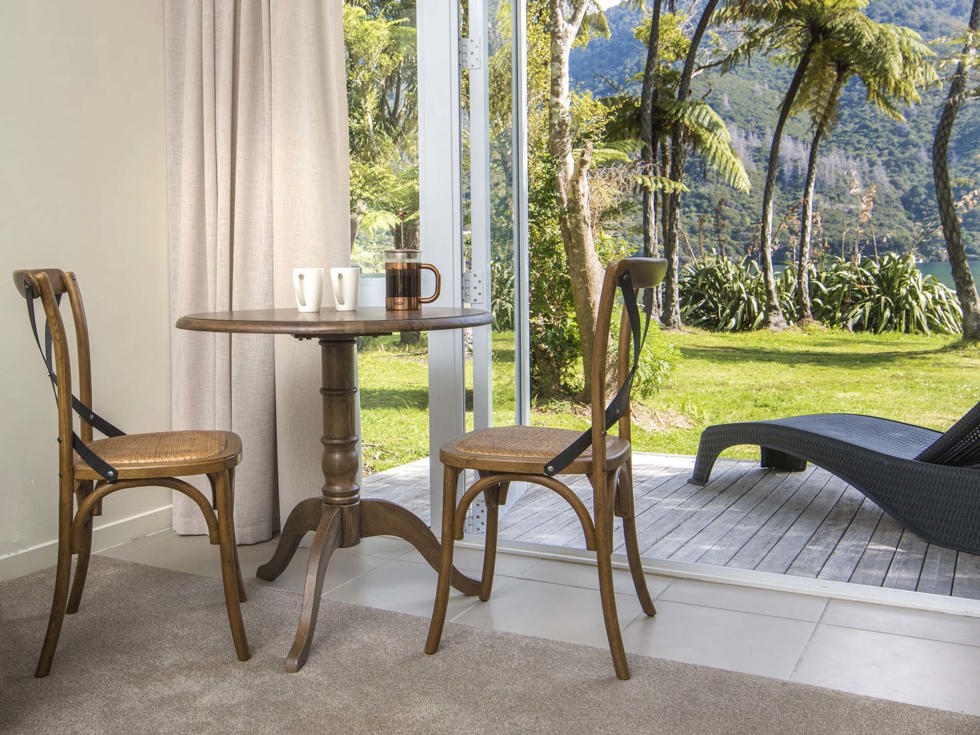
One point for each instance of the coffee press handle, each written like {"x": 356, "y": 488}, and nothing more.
{"x": 435, "y": 295}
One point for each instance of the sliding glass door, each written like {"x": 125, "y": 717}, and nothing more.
{"x": 438, "y": 164}
{"x": 473, "y": 211}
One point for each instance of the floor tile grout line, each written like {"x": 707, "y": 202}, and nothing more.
{"x": 751, "y": 613}
{"x": 896, "y": 634}
{"x": 809, "y": 640}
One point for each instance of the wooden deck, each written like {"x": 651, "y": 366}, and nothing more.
{"x": 807, "y": 524}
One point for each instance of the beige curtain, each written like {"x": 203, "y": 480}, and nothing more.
{"x": 259, "y": 181}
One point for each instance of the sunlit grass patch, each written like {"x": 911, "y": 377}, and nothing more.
{"x": 927, "y": 380}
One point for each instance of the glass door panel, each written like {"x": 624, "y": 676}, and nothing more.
{"x": 382, "y": 84}
{"x": 437, "y": 163}
{"x": 493, "y": 153}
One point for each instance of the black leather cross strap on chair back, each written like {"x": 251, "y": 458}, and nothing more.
{"x": 620, "y": 403}
{"x": 32, "y": 291}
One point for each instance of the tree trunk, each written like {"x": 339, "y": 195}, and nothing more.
{"x": 805, "y": 312}
{"x": 571, "y": 181}
{"x": 671, "y": 316}
{"x": 355, "y": 225}
{"x": 774, "y": 318}
{"x": 966, "y": 290}
{"x": 806, "y": 216}
{"x": 650, "y": 132}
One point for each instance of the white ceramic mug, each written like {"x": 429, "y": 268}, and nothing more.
{"x": 345, "y": 282}
{"x": 308, "y": 287}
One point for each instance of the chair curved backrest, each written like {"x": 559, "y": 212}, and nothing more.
{"x": 959, "y": 446}
{"x": 50, "y": 285}
{"x": 638, "y": 273}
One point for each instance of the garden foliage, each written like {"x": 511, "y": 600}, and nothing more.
{"x": 886, "y": 295}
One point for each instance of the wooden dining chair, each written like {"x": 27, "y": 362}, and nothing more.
{"x": 539, "y": 455}
{"x": 90, "y": 469}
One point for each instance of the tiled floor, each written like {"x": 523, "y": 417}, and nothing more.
{"x": 915, "y": 656}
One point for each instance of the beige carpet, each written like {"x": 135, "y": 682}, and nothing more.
{"x": 150, "y": 652}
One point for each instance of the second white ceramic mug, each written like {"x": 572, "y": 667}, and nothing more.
{"x": 308, "y": 287}
{"x": 345, "y": 282}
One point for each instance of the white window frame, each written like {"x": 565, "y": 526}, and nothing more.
{"x": 440, "y": 212}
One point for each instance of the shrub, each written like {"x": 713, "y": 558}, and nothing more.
{"x": 890, "y": 295}
{"x": 876, "y": 296}
{"x": 721, "y": 294}
{"x": 555, "y": 345}
{"x": 502, "y": 294}
{"x": 658, "y": 358}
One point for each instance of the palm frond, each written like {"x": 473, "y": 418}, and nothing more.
{"x": 377, "y": 221}
{"x": 713, "y": 141}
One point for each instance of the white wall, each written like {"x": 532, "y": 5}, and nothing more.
{"x": 82, "y": 187}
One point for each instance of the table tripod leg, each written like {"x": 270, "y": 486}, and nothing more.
{"x": 303, "y": 519}
{"x": 326, "y": 540}
{"x": 381, "y": 517}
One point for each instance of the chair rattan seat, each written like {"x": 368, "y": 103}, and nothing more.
{"x": 157, "y": 454}
{"x": 525, "y": 448}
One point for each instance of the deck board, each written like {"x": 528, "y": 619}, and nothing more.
{"x": 966, "y": 582}
{"x": 793, "y": 550}
{"x": 760, "y": 484}
{"x": 839, "y": 504}
{"x": 877, "y": 557}
{"x": 757, "y": 521}
{"x": 906, "y": 566}
{"x": 845, "y": 556}
{"x": 692, "y": 522}
{"x": 777, "y": 525}
{"x": 937, "y": 571}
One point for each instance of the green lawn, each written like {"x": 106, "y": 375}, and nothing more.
{"x": 720, "y": 377}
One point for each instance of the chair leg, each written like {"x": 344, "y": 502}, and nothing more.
{"x": 58, "y": 602}
{"x": 230, "y": 574}
{"x": 81, "y": 567}
{"x": 242, "y": 595}
{"x": 625, "y": 509}
{"x": 493, "y": 497}
{"x": 636, "y": 567}
{"x": 82, "y": 546}
{"x": 439, "y": 607}
{"x": 607, "y": 594}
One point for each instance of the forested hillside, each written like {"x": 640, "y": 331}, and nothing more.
{"x": 869, "y": 164}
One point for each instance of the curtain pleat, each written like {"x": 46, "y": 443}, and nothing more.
{"x": 258, "y": 159}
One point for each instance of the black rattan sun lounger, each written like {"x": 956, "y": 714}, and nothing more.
{"x": 927, "y": 480}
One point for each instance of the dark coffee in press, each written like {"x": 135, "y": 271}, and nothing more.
{"x": 403, "y": 280}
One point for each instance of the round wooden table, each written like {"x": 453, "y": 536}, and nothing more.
{"x": 338, "y": 516}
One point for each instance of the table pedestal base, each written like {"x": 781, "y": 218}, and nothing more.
{"x": 339, "y": 517}
{"x": 376, "y": 518}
